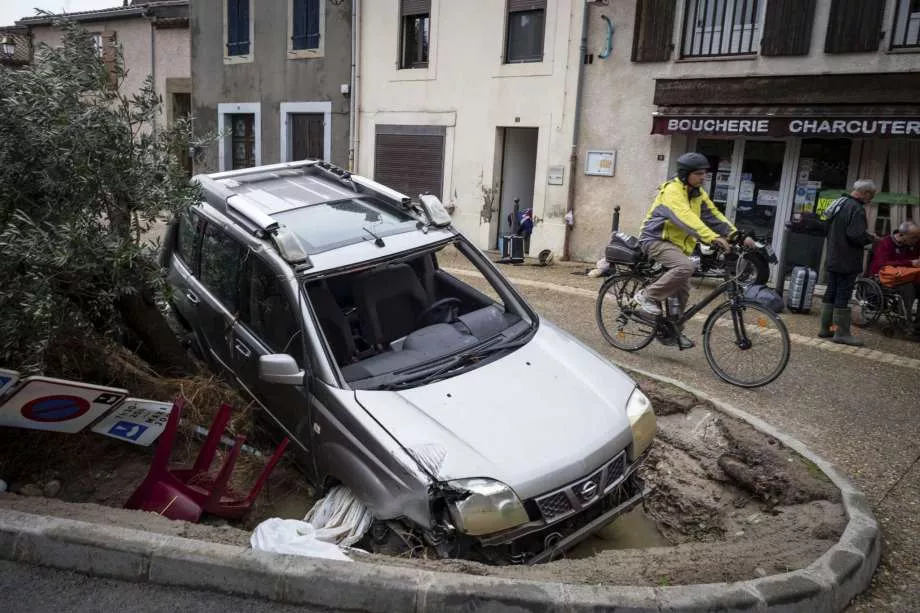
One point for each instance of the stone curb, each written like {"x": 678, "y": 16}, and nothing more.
{"x": 825, "y": 586}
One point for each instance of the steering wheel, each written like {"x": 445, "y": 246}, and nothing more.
{"x": 443, "y": 311}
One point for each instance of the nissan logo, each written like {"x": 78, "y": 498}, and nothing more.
{"x": 588, "y": 490}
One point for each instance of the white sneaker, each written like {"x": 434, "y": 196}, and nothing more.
{"x": 646, "y": 304}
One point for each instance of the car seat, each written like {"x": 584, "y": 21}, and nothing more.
{"x": 389, "y": 302}
{"x": 333, "y": 322}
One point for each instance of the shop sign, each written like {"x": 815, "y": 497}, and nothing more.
{"x": 788, "y": 126}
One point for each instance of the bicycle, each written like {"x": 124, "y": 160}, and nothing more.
{"x": 752, "y": 329}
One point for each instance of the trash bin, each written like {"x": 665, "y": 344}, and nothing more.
{"x": 803, "y": 245}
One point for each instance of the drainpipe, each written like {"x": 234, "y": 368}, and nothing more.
{"x": 573, "y": 160}
{"x": 151, "y": 19}
{"x": 355, "y": 121}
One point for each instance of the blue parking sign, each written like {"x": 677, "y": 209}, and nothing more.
{"x": 127, "y": 430}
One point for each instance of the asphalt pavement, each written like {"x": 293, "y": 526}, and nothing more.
{"x": 859, "y": 411}
{"x": 30, "y": 589}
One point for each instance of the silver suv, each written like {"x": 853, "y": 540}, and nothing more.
{"x": 403, "y": 365}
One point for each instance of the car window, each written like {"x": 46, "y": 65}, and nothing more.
{"x": 268, "y": 311}
{"x": 185, "y": 238}
{"x": 221, "y": 257}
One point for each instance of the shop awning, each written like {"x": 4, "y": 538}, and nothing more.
{"x": 832, "y": 121}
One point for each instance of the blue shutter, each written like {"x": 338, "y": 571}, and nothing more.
{"x": 312, "y": 24}
{"x": 299, "y": 38}
{"x": 237, "y": 27}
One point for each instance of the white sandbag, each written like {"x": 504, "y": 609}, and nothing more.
{"x": 295, "y": 537}
{"x": 340, "y": 517}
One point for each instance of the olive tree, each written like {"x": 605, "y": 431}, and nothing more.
{"x": 84, "y": 174}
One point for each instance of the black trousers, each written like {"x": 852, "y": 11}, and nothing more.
{"x": 839, "y": 288}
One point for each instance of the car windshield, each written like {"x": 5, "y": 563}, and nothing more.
{"x": 419, "y": 317}
{"x": 328, "y": 225}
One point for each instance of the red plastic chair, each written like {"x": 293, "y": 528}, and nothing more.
{"x": 188, "y": 492}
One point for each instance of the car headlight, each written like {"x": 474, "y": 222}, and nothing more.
{"x": 490, "y": 507}
{"x": 641, "y": 421}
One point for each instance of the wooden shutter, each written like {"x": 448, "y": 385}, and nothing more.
{"x": 238, "y": 27}
{"x": 306, "y": 24}
{"x": 410, "y": 159}
{"x": 654, "y": 30}
{"x": 787, "y": 27}
{"x": 414, "y": 7}
{"x": 855, "y": 26}
{"x": 307, "y": 136}
{"x": 515, "y": 6}
{"x": 110, "y": 56}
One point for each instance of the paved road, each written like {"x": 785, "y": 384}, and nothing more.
{"x": 28, "y": 589}
{"x": 858, "y": 411}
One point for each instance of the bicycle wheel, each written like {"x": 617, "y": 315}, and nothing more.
{"x": 615, "y": 318}
{"x": 870, "y": 300}
{"x": 747, "y": 345}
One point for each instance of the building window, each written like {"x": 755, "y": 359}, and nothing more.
{"x": 415, "y": 27}
{"x": 238, "y": 27}
{"x": 526, "y": 27}
{"x": 305, "y": 24}
{"x": 98, "y": 45}
{"x": 242, "y": 141}
{"x": 906, "y": 32}
{"x": 721, "y": 27}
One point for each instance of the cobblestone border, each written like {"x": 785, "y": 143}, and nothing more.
{"x": 825, "y": 586}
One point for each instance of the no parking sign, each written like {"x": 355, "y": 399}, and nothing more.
{"x": 42, "y": 403}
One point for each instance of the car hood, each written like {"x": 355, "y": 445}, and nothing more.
{"x": 536, "y": 419}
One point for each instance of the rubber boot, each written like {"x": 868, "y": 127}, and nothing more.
{"x": 842, "y": 334}
{"x": 827, "y": 318}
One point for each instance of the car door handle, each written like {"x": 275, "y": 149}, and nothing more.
{"x": 192, "y": 297}
{"x": 242, "y": 348}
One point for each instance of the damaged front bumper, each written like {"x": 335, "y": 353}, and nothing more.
{"x": 540, "y": 540}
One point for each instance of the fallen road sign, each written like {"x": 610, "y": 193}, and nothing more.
{"x": 136, "y": 420}
{"x": 8, "y": 378}
{"x": 43, "y": 403}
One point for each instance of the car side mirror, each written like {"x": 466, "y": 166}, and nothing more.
{"x": 280, "y": 368}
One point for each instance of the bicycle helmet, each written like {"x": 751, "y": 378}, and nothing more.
{"x": 689, "y": 162}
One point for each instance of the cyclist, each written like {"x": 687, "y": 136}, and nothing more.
{"x": 680, "y": 215}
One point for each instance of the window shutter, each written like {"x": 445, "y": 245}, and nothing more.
{"x": 854, "y": 26}
{"x": 243, "y": 27}
{"x": 414, "y": 7}
{"x": 299, "y": 29}
{"x": 238, "y": 27}
{"x": 312, "y": 24}
{"x": 515, "y": 6}
{"x": 787, "y": 27}
{"x": 110, "y": 55}
{"x": 654, "y": 30}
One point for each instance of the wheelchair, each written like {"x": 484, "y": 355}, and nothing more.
{"x": 874, "y": 302}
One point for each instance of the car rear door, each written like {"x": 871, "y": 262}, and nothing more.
{"x": 214, "y": 293}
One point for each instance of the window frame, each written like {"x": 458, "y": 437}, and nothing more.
{"x": 540, "y": 7}
{"x": 904, "y": 9}
{"x": 238, "y": 58}
{"x": 309, "y": 52}
{"x": 287, "y": 109}
{"x": 691, "y": 31}
{"x": 193, "y": 222}
{"x": 424, "y": 45}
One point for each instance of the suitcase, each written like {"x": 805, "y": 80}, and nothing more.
{"x": 512, "y": 248}
{"x": 802, "y": 283}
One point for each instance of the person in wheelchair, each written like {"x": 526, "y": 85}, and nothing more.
{"x": 896, "y": 263}
{"x": 681, "y": 214}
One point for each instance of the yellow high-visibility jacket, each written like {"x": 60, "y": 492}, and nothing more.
{"x": 677, "y": 218}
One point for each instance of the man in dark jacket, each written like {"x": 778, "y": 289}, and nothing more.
{"x": 847, "y": 237}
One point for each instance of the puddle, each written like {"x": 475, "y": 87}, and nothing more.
{"x": 633, "y": 530}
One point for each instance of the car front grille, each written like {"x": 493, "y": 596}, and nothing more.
{"x": 580, "y": 494}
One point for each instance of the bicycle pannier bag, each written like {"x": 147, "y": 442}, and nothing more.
{"x": 766, "y": 296}
{"x": 623, "y": 249}
{"x": 801, "y": 289}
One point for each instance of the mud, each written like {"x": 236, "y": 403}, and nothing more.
{"x": 727, "y": 504}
